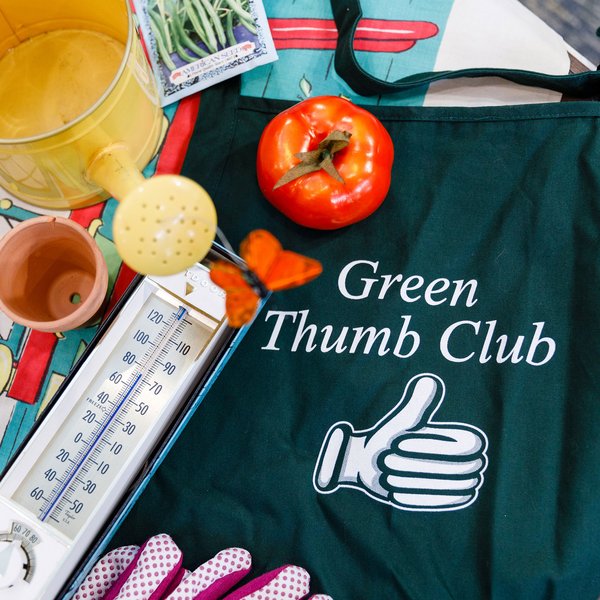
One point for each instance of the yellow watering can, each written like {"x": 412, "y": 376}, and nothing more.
{"x": 80, "y": 118}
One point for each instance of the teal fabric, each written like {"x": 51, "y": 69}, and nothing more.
{"x": 492, "y": 222}
{"x": 347, "y": 14}
{"x": 306, "y": 71}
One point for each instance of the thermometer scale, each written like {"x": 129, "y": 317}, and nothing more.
{"x": 109, "y": 426}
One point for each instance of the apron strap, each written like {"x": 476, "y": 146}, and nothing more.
{"x": 347, "y": 14}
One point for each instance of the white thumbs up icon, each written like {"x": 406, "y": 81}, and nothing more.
{"x": 406, "y": 459}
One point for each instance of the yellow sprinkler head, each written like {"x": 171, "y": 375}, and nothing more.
{"x": 164, "y": 225}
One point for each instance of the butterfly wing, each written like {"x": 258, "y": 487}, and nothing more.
{"x": 227, "y": 276}
{"x": 278, "y": 269}
{"x": 259, "y": 250}
{"x": 241, "y": 300}
{"x": 290, "y": 270}
{"x": 241, "y": 307}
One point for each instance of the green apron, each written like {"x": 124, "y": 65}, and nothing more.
{"x": 420, "y": 422}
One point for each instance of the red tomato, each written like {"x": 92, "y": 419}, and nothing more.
{"x": 317, "y": 199}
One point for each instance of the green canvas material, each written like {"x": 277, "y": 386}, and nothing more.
{"x": 420, "y": 422}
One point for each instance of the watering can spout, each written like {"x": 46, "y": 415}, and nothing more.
{"x": 113, "y": 169}
{"x": 163, "y": 224}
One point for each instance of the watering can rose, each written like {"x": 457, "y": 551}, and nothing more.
{"x": 325, "y": 163}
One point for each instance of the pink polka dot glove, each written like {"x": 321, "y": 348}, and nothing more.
{"x": 154, "y": 572}
{"x": 132, "y": 573}
{"x": 214, "y": 578}
{"x": 285, "y": 583}
{"x": 104, "y": 574}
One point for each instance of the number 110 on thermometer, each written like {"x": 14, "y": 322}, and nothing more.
{"x": 114, "y": 414}
{"x": 166, "y": 341}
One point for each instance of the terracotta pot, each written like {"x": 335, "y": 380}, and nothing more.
{"x": 53, "y": 276}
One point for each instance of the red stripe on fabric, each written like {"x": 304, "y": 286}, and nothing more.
{"x": 362, "y": 45}
{"x": 33, "y": 364}
{"x": 84, "y": 216}
{"x": 124, "y": 278}
{"x": 382, "y": 46}
{"x": 375, "y": 28}
{"x": 305, "y": 44}
{"x": 396, "y": 30}
{"x": 304, "y": 34}
{"x": 179, "y": 135}
{"x": 373, "y": 35}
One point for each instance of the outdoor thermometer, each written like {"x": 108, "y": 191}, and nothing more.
{"x": 109, "y": 426}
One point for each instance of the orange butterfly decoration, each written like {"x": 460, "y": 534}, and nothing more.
{"x": 270, "y": 269}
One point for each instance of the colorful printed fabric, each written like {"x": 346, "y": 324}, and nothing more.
{"x": 393, "y": 40}
{"x": 32, "y": 363}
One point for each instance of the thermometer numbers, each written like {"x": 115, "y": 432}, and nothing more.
{"x": 122, "y": 402}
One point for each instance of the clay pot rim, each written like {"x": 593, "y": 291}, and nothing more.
{"x": 86, "y": 310}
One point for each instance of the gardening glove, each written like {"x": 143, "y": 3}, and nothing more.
{"x": 154, "y": 572}
{"x": 211, "y": 580}
{"x": 214, "y": 578}
{"x": 134, "y": 573}
{"x": 285, "y": 583}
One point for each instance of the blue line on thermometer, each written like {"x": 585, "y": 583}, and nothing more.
{"x": 109, "y": 426}
{"x": 59, "y": 492}
{"x": 64, "y": 486}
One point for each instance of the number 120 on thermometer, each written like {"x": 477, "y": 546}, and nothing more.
{"x": 133, "y": 388}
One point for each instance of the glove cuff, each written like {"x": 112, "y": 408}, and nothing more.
{"x": 331, "y": 458}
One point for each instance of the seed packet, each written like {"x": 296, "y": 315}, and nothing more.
{"x": 193, "y": 44}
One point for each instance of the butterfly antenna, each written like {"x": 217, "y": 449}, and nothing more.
{"x": 224, "y": 241}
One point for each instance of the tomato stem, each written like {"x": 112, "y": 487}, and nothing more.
{"x": 319, "y": 159}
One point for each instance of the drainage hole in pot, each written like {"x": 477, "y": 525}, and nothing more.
{"x": 75, "y": 298}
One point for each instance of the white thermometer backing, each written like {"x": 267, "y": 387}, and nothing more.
{"x": 110, "y": 424}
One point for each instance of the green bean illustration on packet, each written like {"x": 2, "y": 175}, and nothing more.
{"x": 193, "y": 29}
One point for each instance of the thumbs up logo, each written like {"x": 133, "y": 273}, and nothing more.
{"x": 407, "y": 459}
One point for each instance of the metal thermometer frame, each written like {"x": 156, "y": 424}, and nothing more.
{"x": 198, "y": 388}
